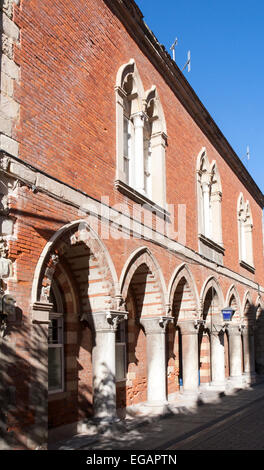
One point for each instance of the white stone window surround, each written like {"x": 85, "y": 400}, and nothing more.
{"x": 209, "y": 202}
{"x": 245, "y": 234}
{"x": 145, "y": 181}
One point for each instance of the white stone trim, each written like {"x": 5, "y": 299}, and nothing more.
{"x": 211, "y": 281}
{"x": 52, "y": 241}
{"x": 84, "y": 203}
{"x": 10, "y": 73}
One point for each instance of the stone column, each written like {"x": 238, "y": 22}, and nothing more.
{"x": 216, "y": 201}
{"x": 104, "y": 325}
{"x": 217, "y": 357}
{"x": 189, "y": 332}
{"x": 235, "y": 355}
{"x": 138, "y": 120}
{"x": 155, "y": 329}
{"x": 249, "y": 354}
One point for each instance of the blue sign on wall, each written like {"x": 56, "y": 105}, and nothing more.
{"x": 227, "y": 314}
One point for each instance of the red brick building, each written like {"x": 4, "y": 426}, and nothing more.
{"x": 121, "y": 240}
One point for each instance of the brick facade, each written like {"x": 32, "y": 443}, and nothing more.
{"x": 58, "y": 155}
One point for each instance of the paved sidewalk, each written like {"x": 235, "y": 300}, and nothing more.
{"x": 183, "y": 422}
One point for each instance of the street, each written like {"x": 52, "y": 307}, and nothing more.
{"x": 216, "y": 422}
{"x": 241, "y": 431}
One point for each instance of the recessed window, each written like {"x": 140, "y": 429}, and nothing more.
{"x": 245, "y": 231}
{"x": 121, "y": 361}
{"x": 56, "y": 343}
{"x": 209, "y": 198}
{"x": 140, "y": 138}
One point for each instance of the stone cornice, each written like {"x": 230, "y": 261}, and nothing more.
{"x": 130, "y": 15}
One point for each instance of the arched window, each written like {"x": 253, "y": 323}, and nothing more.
{"x": 209, "y": 197}
{"x": 56, "y": 342}
{"x": 140, "y": 138}
{"x": 245, "y": 230}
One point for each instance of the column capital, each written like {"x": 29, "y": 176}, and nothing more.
{"x": 139, "y": 119}
{"x": 155, "y": 325}
{"x": 234, "y": 330}
{"x": 189, "y": 327}
{"x": 216, "y": 329}
{"x": 105, "y": 320}
{"x": 247, "y": 329}
{"x": 205, "y": 186}
{"x": 40, "y": 312}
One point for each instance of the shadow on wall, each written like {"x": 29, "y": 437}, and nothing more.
{"x": 23, "y": 385}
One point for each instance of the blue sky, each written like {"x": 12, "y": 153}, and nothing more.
{"x": 226, "y": 40}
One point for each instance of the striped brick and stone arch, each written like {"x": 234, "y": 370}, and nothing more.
{"x": 89, "y": 262}
{"x": 183, "y": 294}
{"x": 212, "y": 301}
{"x": 248, "y": 309}
{"x": 143, "y": 290}
{"x": 76, "y": 259}
{"x": 233, "y": 301}
{"x": 142, "y": 274}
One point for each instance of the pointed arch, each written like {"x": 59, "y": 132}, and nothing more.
{"x": 155, "y": 111}
{"x": 247, "y": 299}
{"x": 240, "y": 203}
{"x": 129, "y": 85}
{"x": 209, "y": 200}
{"x": 212, "y": 283}
{"x": 233, "y": 300}
{"x": 245, "y": 232}
{"x": 215, "y": 177}
{"x": 202, "y": 162}
{"x": 183, "y": 271}
{"x": 142, "y": 256}
{"x": 248, "y": 309}
{"x": 65, "y": 239}
{"x": 259, "y": 302}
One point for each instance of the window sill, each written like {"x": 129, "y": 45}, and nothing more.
{"x": 57, "y": 395}
{"x": 211, "y": 249}
{"x": 212, "y": 243}
{"x": 247, "y": 266}
{"x": 120, "y": 382}
{"x": 141, "y": 199}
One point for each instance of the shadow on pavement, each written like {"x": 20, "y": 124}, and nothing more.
{"x": 179, "y": 421}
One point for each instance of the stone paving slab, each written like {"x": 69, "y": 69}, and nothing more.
{"x": 181, "y": 421}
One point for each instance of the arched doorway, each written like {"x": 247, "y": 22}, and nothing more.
{"x": 74, "y": 272}
{"x": 184, "y": 347}
{"x": 141, "y": 288}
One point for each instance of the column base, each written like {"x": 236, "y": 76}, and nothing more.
{"x": 105, "y": 419}
{"x": 217, "y": 386}
{"x": 235, "y": 382}
{"x": 190, "y": 394}
{"x": 249, "y": 378}
{"x": 157, "y": 407}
